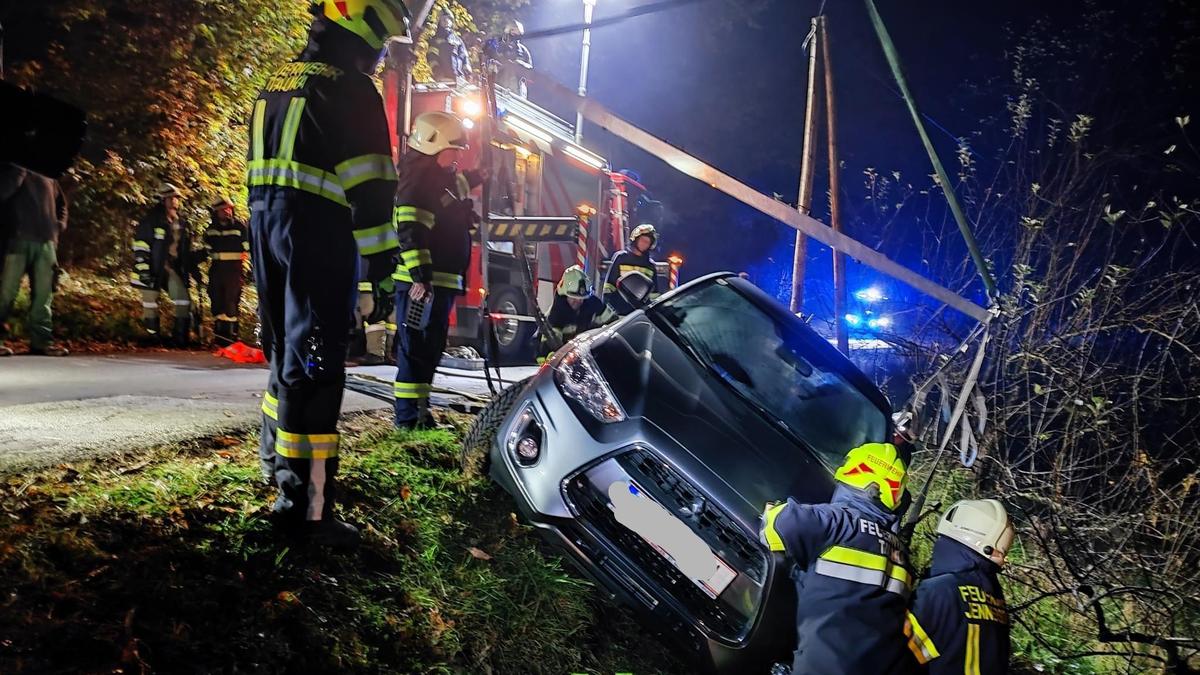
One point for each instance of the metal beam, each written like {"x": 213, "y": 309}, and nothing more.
{"x": 691, "y": 166}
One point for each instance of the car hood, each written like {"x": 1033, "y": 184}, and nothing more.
{"x": 714, "y": 436}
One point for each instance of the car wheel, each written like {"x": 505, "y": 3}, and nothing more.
{"x": 512, "y": 337}
{"x": 479, "y": 436}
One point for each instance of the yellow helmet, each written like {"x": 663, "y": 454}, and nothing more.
{"x": 372, "y": 20}
{"x": 876, "y": 464}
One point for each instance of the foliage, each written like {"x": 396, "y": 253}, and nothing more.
{"x": 1084, "y": 200}
{"x": 166, "y": 85}
{"x": 143, "y": 566}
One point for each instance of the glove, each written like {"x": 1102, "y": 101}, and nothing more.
{"x": 380, "y": 266}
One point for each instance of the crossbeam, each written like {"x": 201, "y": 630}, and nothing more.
{"x": 691, "y": 166}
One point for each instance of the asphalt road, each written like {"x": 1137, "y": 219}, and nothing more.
{"x": 60, "y": 409}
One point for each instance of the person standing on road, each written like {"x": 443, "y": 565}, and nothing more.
{"x": 958, "y": 622}
{"x": 35, "y": 210}
{"x": 851, "y": 568}
{"x": 228, "y": 244}
{"x": 163, "y": 259}
{"x": 321, "y": 182}
{"x": 435, "y": 221}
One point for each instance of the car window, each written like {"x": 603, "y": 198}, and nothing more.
{"x": 781, "y": 367}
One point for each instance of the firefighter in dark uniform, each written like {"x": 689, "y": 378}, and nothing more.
{"x": 575, "y": 310}
{"x": 635, "y": 258}
{"x": 959, "y": 620}
{"x": 163, "y": 259}
{"x": 435, "y": 219}
{"x": 321, "y": 181}
{"x": 227, "y": 241}
{"x": 851, "y": 569}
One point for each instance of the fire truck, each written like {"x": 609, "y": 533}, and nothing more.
{"x": 553, "y": 204}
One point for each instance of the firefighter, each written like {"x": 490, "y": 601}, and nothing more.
{"x": 515, "y": 58}
{"x": 575, "y": 310}
{"x": 448, "y": 57}
{"x": 851, "y": 569}
{"x": 163, "y": 259}
{"x": 435, "y": 219}
{"x": 228, "y": 244}
{"x": 321, "y": 179}
{"x": 959, "y": 620}
{"x": 635, "y": 258}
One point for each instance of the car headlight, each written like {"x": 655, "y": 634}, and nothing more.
{"x": 579, "y": 379}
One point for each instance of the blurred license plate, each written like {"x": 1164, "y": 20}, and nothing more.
{"x": 671, "y": 537}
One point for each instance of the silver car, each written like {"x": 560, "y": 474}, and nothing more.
{"x": 646, "y": 451}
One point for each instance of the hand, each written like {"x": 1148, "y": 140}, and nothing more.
{"x": 417, "y": 292}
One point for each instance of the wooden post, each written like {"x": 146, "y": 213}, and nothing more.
{"x": 835, "y": 201}
{"x": 807, "y": 160}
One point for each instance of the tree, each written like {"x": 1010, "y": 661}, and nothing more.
{"x": 167, "y": 85}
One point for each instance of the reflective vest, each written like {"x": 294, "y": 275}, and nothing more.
{"x": 319, "y": 131}
{"x": 958, "y": 623}
{"x": 852, "y": 581}
{"x": 433, "y": 218}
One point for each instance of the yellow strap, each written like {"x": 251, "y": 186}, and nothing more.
{"x": 270, "y": 406}
{"x": 971, "y": 660}
{"x": 919, "y": 642}
{"x": 257, "y": 134}
{"x": 855, "y": 557}
{"x": 291, "y": 128}
{"x": 411, "y": 214}
{"x": 416, "y": 257}
{"x": 411, "y": 390}
{"x": 774, "y": 541}
{"x": 306, "y": 446}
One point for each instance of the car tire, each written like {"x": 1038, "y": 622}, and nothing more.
{"x": 479, "y": 436}
{"x": 513, "y": 339}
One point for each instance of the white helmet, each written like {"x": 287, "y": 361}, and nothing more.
{"x": 436, "y": 131}
{"x": 981, "y": 525}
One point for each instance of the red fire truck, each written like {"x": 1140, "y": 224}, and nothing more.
{"x": 553, "y": 202}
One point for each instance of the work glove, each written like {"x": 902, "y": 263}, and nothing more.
{"x": 380, "y": 266}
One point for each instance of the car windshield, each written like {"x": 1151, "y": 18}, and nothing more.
{"x": 778, "y": 365}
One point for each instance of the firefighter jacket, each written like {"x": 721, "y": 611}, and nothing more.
{"x": 319, "y": 143}
{"x": 158, "y": 247}
{"x": 959, "y": 620}
{"x": 226, "y": 241}
{"x": 852, "y": 581}
{"x": 435, "y": 221}
{"x": 629, "y": 261}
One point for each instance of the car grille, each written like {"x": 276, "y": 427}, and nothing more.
{"x": 718, "y": 530}
{"x": 592, "y": 509}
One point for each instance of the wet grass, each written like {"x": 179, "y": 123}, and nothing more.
{"x": 168, "y": 563}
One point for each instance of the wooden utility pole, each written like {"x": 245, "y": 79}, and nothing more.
{"x": 804, "y": 200}
{"x": 835, "y": 203}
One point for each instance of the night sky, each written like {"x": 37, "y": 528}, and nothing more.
{"x": 702, "y": 77}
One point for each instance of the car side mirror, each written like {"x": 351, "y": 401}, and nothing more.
{"x": 635, "y": 288}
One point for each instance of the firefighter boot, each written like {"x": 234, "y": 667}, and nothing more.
{"x": 332, "y": 533}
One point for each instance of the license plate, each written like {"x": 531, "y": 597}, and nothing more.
{"x": 671, "y": 537}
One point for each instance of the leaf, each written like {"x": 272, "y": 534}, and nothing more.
{"x": 478, "y": 554}
{"x": 405, "y": 492}
{"x": 1183, "y": 121}
{"x": 1169, "y": 150}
